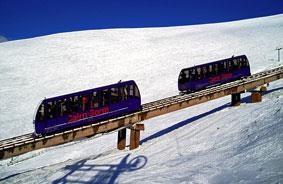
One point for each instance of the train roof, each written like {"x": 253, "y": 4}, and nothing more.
{"x": 214, "y": 62}
{"x": 118, "y": 84}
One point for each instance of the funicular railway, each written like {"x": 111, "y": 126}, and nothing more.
{"x": 25, "y": 143}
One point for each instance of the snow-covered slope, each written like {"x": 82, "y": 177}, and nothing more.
{"x": 208, "y": 143}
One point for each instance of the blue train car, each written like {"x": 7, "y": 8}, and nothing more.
{"x": 64, "y": 112}
{"x": 214, "y": 73}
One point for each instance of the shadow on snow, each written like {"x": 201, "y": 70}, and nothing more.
{"x": 195, "y": 118}
{"x": 83, "y": 172}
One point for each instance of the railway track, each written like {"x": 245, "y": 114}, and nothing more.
{"x": 22, "y": 140}
{"x": 15, "y": 140}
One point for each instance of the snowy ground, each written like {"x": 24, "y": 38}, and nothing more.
{"x": 207, "y": 143}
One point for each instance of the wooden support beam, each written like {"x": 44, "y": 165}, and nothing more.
{"x": 236, "y": 99}
{"x": 135, "y": 135}
{"x": 138, "y": 126}
{"x": 263, "y": 88}
{"x": 121, "y": 144}
{"x": 256, "y": 97}
{"x": 135, "y": 139}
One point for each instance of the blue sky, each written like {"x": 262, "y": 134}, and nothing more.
{"x": 21, "y": 19}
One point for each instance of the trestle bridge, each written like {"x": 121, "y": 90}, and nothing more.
{"x": 26, "y": 143}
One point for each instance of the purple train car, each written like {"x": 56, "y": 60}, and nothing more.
{"x": 65, "y": 112}
{"x": 214, "y": 73}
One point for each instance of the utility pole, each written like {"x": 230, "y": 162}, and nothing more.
{"x": 278, "y": 49}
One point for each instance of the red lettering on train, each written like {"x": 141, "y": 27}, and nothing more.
{"x": 91, "y": 113}
{"x": 226, "y": 76}
{"x": 218, "y": 78}
{"x": 214, "y": 79}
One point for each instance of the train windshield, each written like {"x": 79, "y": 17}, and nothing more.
{"x": 183, "y": 77}
{"x": 39, "y": 112}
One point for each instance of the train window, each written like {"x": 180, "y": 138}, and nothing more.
{"x": 182, "y": 77}
{"x": 235, "y": 64}
{"x": 198, "y": 70}
{"x": 198, "y": 73}
{"x": 230, "y": 65}
{"x": 105, "y": 97}
{"x": 62, "y": 107}
{"x": 48, "y": 110}
{"x": 126, "y": 90}
{"x": 85, "y": 102}
{"x": 227, "y": 66}
{"x": 40, "y": 113}
{"x": 240, "y": 65}
{"x": 137, "y": 94}
{"x": 187, "y": 74}
{"x": 210, "y": 68}
{"x": 74, "y": 104}
{"x": 122, "y": 95}
{"x": 99, "y": 97}
{"x": 80, "y": 104}
{"x": 59, "y": 108}
{"x": 51, "y": 110}
{"x": 204, "y": 71}
{"x": 131, "y": 91}
{"x": 94, "y": 100}
{"x": 216, "y": 69}
{"x": 221, "y": 68}
{"x": 125, "y": 94}
{"x": 114, "y": 95}
{"x": 247, "y": 63}
{"x": 194, "y": 74}
{"x": 224, "y": 66}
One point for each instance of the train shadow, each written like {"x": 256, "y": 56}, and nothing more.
{"x": 165, "y": 131}
{"x": 84, "y": 172}
{"x": 183, "y": 123}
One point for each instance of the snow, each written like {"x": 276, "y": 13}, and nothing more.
{"x": 207, "y": 143}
